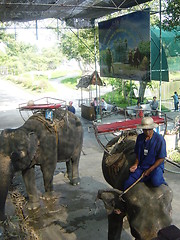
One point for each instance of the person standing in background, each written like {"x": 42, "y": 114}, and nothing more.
{"x": 138, "y": 110}
{"x": 95, "y": 105}
{"x": 176, "y": 101}
{"x": 154, "y": 106}
{"x": 103, "y": 105}
{"x": 71, "y": 108}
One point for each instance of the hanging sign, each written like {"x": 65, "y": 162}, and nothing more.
{"x": 124, "y": 45}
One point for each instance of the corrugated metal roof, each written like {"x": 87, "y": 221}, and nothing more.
{"x": 88, "y": 10}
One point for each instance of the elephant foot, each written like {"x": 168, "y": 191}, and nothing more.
{"x": 33, "y": 205}
{"x": 75, "y": 181}
{"x": 49, "y": 196}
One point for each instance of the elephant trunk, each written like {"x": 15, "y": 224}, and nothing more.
{"x": 6, "y": 173}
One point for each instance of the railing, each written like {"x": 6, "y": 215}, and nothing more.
{"x": 85, "y": 101}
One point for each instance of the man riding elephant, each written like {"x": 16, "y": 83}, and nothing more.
{"x": 147, "y": 204}
{"x": 150, "y": 152}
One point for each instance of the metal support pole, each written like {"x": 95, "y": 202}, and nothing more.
{"x": 95, "y": 60}
{"x": 57, "y": 29}
{"x": 15, "y": 32}
{"x": 36, "y": 30}
{"x": 160, "y": 55}
{"x": 131, "y": 92}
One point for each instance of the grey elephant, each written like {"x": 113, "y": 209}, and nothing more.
{"x": 44, "y": 143}
{"x": 148, "y": 209}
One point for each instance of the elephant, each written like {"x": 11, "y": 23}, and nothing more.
{"x": 147, "y": 208}
{"x": 43, "y": 142}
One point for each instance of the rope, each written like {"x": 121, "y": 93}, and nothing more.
{"x": 44, "y": 121}
{"x": 51, "y": 127}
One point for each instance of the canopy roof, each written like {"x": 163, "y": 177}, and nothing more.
{"x": 88, "y": 10}
{"x": 89, "y": 79}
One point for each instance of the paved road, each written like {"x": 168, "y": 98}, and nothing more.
{"x": 73, "y": 215}
{"x": 12, "y": 95}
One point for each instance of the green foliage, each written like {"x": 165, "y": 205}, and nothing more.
{"x": 123, "y": 87}
{"x": 25, "y": 57}
{"x": 120, "y": 101}
{"x": 79, "y": 45}
{"x": 58, "y": 73}
{"x": 21, "y": 57}
{"x": 171, "y": 19}
{"x": 71, "y": 82}
{"x": 33, "y": 82}
{"x": 164, "y": 109}
{"x": 175, "y": 155}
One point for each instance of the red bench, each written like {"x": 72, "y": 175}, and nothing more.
{"x": 125, "y": 125}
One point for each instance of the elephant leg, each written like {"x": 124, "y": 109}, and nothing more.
{"x": 69, "y": 169}
{"x": 75, "y": 180}
{"x": 48, "y": 172}
{"x": 115, "y": 223}
{"x": 29, "y": 180}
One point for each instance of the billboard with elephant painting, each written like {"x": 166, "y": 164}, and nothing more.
{"x": 124, "y": 44}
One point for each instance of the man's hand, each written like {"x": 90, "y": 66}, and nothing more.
{"x": 147, "y": 172}
{"x": 133, "y": 168}
{"x": 155, "y": 165}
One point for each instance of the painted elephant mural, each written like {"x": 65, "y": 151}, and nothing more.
{"x": 44, "y": 143}
{"x": 148, "y": 209}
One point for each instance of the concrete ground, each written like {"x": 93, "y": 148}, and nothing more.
{"x": 73, "y": 215}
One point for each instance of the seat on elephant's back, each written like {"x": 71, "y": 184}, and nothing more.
{"x": 124, "y": 125}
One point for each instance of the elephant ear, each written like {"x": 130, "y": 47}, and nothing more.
{"x": 32, "y": 145}
{"x": 22, "y": 159}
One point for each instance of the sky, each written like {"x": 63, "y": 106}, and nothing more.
{"x": 45, "y": 37}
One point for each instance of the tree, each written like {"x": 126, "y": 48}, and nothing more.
{"x": 79, "y": 45}
{"x": 172, "y": 15}
{"x": 22, "y": 57}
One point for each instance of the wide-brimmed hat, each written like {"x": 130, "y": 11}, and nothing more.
{"x": 147, "y": 123}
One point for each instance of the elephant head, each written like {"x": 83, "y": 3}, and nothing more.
{"x": 17, "y": 149}
{"x": 148, "y": 209}
{"x": 115, "y": 166}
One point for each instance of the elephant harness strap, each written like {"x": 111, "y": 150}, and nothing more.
{"x": 52, "y": 127}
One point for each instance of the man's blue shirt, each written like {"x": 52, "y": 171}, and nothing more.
{"x": 71, "y": 109}
{"x": 151, "y": 150}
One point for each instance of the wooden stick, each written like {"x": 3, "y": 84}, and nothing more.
{"x": 133, "y": 184}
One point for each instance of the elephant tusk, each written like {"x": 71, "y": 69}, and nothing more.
{"x": 22, "y": 154}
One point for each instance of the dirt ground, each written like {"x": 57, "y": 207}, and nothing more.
{"x": 73, "y": 215}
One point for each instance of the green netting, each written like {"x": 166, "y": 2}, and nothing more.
{"x": 171, "y": 45}
{"x": 155, "y": 60}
